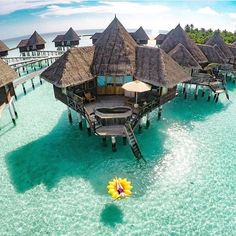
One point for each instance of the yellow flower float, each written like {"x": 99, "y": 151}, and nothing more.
{"x": 119, "y": 188}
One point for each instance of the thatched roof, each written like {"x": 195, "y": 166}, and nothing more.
{"x": 216, "y": 39}
{"x": 7, "y": 74}
{"x": 114, "y": 51}
{"x": 178, "y": 35}
{"x": 211, "y": 53}
{"x": 154, "y": 66}
{"x": 3, "y": 47}
{"x": 183, "y": 57}
{"x": 232, "y": 49}
{"x": 140, "y": 34}
{"x": 72, "y": 68}
{"x": 59, "y": 38}
{"x": 160, "y": 37}
{"x": 70, "y": 35}
{"x": 35, "y": 39}
{"x": 220, "y": 52}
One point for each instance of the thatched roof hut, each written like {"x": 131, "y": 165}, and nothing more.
{"x": 35, "y": 42}
{"x": 140, "y": 36}
{"x": 155, "y": 67}
{"x": 160, "y": 38}
{"x": 7, "y": 74}
{"x": 95, "y": 37}
{"x": 216, "y": 39}
{"x": 183, "y": 57}
{"x": 232, "y": 49}
{"x": 114, "y": 51}
{"x": 70, "y": 38}
{"x": 115, "y": 54}
{"x": 178, "y": 35}
{"x": 3, "y": 49}
{"x": 211, "y": 53}
{"x": 72, "y": 68}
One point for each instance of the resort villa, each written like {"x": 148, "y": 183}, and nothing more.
{"x": 34, "y": 43}
{"x": 115, "y": 84}
{"x": 3, "y": 49}
{"x": 7, "y": 91}
{"x": 69, "y": 39}
{"x": 140, "y": 36}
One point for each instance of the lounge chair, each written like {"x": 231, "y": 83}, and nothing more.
{"x": 89, "y": 97}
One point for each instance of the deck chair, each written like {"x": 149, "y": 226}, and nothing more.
{"x": 89, "y": 97}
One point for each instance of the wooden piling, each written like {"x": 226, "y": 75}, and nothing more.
{"x": 113, "y": 143}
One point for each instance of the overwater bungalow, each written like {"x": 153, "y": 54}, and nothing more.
{"x": 90, "y": 80}
{"x": 159, "y": 39}
{"x": 7, "y": 91}
{"x": 3, "y": 49}
{"x": 34, "y": 43}
{"x": 140, "y": 36}
{"x": 186, "y": 52}
{"x": 69, "y": 39}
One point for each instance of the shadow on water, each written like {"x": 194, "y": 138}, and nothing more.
{"x": 111, "y": 215}
{"x": 67, "y": 151}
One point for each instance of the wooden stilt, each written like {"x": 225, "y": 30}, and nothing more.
{"x": 14, "y": 109}
{"x": 32, "y": 82}
{"x": 203, "y": 91}
{"x": 69, "y": 114}
{"x": 196, "y": 92}
{"x": 209, "y": 95}
{"x": 113, "y": 143}
{"x": 147, "y": 121}
{"x": 139, "y": 128}
{"x": 104, "y": 141}
{"x": 159, "y": 112}
{"x": 24, "y": 90}
{"x": 40, "y": 80}
{"x": 124, "y": 140}
{"x": 184, "y": 88}
{"x": 217, "y": 98}
{"x": 11, "y": 114}
{"x": 88, "y": 128}
{"x": 80, "y": 121}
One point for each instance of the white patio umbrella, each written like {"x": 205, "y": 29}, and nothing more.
{"x": 137, "y": 87}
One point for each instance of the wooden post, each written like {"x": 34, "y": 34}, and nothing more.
{"x": 88, "y": 128}
{"x": 186, "y": 91}
{"x": 196, "y": 92}
{"x": 147, "y": 121}
{"x": 124, "y": 140}
{"x": 32, "y": 82}
{"x": 203, "y": 91}
{"x": 14, "y": 109}
{"x": 159, "y": 112}
{"x": 80, "y": 121}
{"x": 24, "y": 90}
{"x": 113, "y": 143}
{"x": 217, "y": 98}
{"x": 104, "y": 141}
{"x": 184, "y": 88}
{"x": 11, "y": 114}
{"x": 139, "y": 128}
{"x": 209, "y": 95}
{"x": 69, "y": 114}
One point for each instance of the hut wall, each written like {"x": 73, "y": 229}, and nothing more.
{"x": 58, "y": 44}
{"x": 171, "y": 93}
{"x": 58, "y": 93}
{"x": 142, "y": 42}
{"x": 40, "y": 47}
{"x": 3, "y": 96}
{"x": 23, "y": 49}
{"x": 3, "y": 53}
{"x": 74, "y": 43}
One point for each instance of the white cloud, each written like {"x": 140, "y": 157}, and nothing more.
{"x": 207, "y": 11}
{"x": 107, "y": 7}
{"x": 232, "y": 15}
{"x": 9, "y": 6}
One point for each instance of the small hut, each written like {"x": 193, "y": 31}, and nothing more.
{"x": 3, "y": 49}
{"x": 7, "y": 92}
{"x": 89, "y": 80}
{"x": 95, "y": 37}
{"x": 140, "y": 36}
{"x": 216, "y": 39}
{"x": 213, "y": 55}
{"x": 160, "y": 38}
{"x": 178, "y": 35}
{"x": 34, "y": 43}
{"x": 69, "y": 39}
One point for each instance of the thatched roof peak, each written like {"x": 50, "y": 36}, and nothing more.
{"x": 178, "y": 35}
{"x": 216, "y": 39}
{"x": 71, "y": 35}
{"x": 183, "y": 57}
{"x": 7, "y": 74}
{"x": 72, "y": 68}
{"x": 36, "y": 39}
{"x": 140, "y": 34}
{"x": 3, "y": 47}
{"x": 114, "y": 51}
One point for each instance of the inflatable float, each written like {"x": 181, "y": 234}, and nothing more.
{"x": 119, "y": 188}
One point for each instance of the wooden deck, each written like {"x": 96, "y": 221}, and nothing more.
{"x": 114, "y": 130}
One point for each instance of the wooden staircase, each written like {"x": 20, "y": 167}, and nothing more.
{"x": 133, "y": 142}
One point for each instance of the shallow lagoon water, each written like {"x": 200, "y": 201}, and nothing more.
{"x": 53, "y": 176}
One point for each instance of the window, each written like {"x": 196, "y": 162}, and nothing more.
{"x": 101, "y": 81}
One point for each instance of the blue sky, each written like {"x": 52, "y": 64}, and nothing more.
{"x": 21, "y": 17}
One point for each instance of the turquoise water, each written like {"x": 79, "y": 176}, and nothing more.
{"x": 53, "y": 176}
